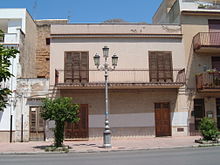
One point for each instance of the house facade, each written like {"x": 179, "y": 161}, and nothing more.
{"x": 200, "y": 21}
{"x": 19, "y": 32}
{"x": 146, "y": 96}
{"x": 166, "y": 80}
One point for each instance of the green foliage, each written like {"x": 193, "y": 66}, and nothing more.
{"x": 208, "y": 129}
{"x": 5, "y": 55}
{"x": 60, "y": 110}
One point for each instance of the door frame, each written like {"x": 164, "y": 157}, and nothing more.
{"x": 170, "y": 124}
{"x": 44, "y": 133}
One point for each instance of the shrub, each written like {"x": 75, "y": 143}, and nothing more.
{"x": 208, "y": 129}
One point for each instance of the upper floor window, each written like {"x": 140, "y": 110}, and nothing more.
{"x": 76, "y": 67}
{"x": 160, "y": 66}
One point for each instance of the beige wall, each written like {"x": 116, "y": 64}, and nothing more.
{"x": 131, "y": 111}
{"x": 132, "y": 52}
{"x": 5, "y": 136}
{"x": 27, "y": 59}
{"x": 191, "y": 25}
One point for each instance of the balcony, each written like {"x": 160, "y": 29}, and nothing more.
{"x": 207, "y": 42}
{"x": 201, "y": 5}
{"x": 208, "y": 81}
{"x": 119, "y": 79}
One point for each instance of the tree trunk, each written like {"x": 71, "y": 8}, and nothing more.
{"x": 59, "y": 133}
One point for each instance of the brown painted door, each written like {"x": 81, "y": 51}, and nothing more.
{"x": 162, "y": 119}
{"x": 199, "y": 111}
{"x": 160, "y": 66}
{"x": 37, "y": 125}
{"x": 218, "y": 112}
{"x": 78, "y": 130}
{"x": 76, "y": 67}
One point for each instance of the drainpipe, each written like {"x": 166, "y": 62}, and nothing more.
{"x": 22, "y": 118}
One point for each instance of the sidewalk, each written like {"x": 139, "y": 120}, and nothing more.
{"x": 123, "y": 144}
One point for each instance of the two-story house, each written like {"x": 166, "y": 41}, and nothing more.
{"x": 200, "y": 22}
{"x": 145, "y": 89}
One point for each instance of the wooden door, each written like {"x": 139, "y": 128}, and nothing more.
{"x": 199, "y": 111}
{"x": 162, "y": 119}
{"x": 37, "y": 125}
{"x": 78, "y": 130}
{"x": 160, "y": 66}
{"x": 218, "y": 112}
{"x": 76, "y": 67}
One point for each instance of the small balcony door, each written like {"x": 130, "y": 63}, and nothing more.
{"x": 216, "y": 63}
{"x": 218, "y": 112}
{"x": 160, "y": 66}
{"x": 199, "y": 111}
{"x": 76, "y": 67}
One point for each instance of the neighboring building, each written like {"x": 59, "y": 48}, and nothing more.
{"x": 32, "y": 90}
{"x": 200, "y": 22}
{"x": 145, "y": 90}
{"x": 19, "y": 32}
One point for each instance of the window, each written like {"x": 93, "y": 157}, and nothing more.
{"x": 160, "y": 66}
{"x": 76, "y": 67}
{"x": 47, "y": 41}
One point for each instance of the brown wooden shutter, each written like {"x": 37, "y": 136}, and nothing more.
{"x": 168, "y": 67}
{"x": 153, "y": 66}
{"x": 76, "y": 67}
{"x": 84, "y": 74}
{"x": 68, "y": 65}
{"x": 160, "y": 66}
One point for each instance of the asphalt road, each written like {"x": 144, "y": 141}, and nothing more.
{"x": 189, "y": 156}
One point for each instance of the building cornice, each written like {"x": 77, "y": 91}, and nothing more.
{"x": 115, "y": 35}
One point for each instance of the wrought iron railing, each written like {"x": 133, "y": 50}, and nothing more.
{"x": 208, "y": 80}
{"x": 123, "y": 76}
{"x": 206, "y": 39}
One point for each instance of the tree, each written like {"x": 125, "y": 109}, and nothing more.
{"x": 5, "y": 55}
{"x": 60, "y": 110}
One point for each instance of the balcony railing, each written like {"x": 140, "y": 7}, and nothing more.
{"x": 119, "y": 77}
{"x": 204, "y": 4}
{"x": 206, "y": 41}
{"x": 208, "y": 81}
{"x": 9, "y": 38}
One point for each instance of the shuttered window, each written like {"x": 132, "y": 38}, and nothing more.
{"x": 76, "y": 67}
{"x": 160, "y": 66}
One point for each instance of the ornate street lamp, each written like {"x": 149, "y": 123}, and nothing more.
{"x": 105, "y": 67}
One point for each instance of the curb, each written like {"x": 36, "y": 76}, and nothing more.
{"x": 95, "y": 151}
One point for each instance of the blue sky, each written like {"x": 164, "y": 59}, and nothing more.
{"x": 81, "y": 11}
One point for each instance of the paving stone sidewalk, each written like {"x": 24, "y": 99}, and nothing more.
{"x": 122, "y": 144}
